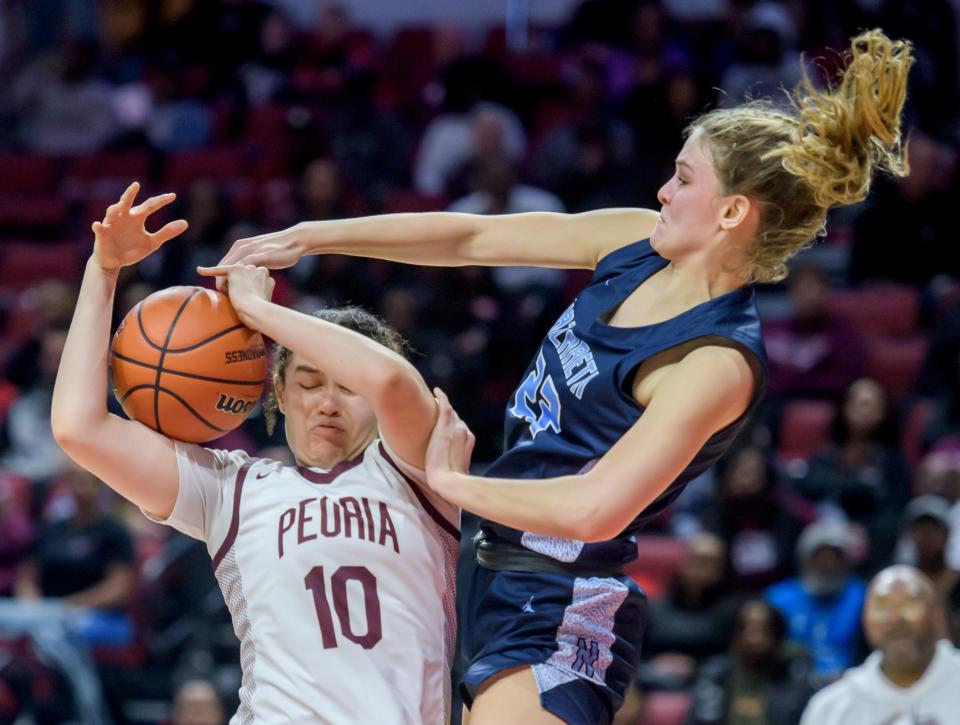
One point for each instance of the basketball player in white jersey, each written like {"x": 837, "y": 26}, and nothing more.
{"x": 338, "y": 572}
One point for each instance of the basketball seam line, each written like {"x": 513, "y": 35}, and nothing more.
{"x": 131, "y": 391}
{"x": 180, "y": 400}
{"x": 143, "y": 331}
{"x": 186, "y": 405}
{"x": 175, "y": 350}
{"x": 205, "y": 378}
{"x": 163, "y": 353}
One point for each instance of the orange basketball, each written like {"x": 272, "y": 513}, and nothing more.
{"x": 183, "y": 364}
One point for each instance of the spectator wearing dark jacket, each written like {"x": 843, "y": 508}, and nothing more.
{"x": 764, "y": 680}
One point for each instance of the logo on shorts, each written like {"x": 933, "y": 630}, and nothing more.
{"x": 587, "y": 656}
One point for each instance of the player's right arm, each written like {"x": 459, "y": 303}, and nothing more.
{"x": 449, "y": 239}
{"x": 137, "y": 462}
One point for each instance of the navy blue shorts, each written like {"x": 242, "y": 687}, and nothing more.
{"x": 580, "y": 635}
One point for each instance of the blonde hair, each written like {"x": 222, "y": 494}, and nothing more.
{"x": 353, "y": 318}
{"x": 798, "y": 163}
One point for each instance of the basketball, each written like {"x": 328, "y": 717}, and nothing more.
{"x": 183, "y": 364}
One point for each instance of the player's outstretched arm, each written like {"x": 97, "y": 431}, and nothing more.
{"x": 140, "y": 464}
{"x": 709, "y": 389}
{"x": 449, "y": 239}
{"x": 406, "y": 410}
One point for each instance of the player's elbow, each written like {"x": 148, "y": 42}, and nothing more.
{"x": 71, "y": 433}
{"x": 593, "y": 521}
{"x": 66, "y": 432}
{"x": 395, "y": 384}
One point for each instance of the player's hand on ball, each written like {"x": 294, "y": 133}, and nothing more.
{"x": 243, "y": 282}
{"x": 122, "y": 239}
{"x": 277, "y": 250}
{"x": 450, "y": 446}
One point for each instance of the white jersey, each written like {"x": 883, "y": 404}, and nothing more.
{"x": 864, "y": 696}
{"x": 340, "y": 584}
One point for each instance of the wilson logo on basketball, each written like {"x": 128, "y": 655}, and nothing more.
{"x": 235, "y": 356}
{"x": 229, "y": 404}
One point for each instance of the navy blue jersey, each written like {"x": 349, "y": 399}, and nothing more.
{"x": 575, "y": 400}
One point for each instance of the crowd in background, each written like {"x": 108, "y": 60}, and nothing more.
{"x": 259, "y": 119}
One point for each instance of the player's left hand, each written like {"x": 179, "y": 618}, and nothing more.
{"x": 122, "y": 239}
{"x": 450, "y": 446}
{"x": 244, "y": 283}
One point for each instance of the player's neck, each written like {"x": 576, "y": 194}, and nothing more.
{"x": 688, "y": 285}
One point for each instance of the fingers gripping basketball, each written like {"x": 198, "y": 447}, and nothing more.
{"x": 183, "y": 364}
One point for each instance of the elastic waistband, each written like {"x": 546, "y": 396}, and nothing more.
{"x": 499, "y": 555}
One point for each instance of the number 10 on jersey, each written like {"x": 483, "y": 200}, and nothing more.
{"x": 315, "y": 582}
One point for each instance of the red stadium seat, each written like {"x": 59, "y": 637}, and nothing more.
{"x": 804, "y": 428}
{"x": 896, "y": 363}
{"x": 23, "y": 264}
{"x": 411, "y": 58}
{"x": 914, "y": 426}
{"x": 32, "y": 212}
{"x": 408, "y": 200}
{"x": 27, "y": 174}
{"x": 666, "y": 708}
{"x": 217, "y": 164}
{"x": 267, "y": 123}
{"x": 880, "y": 309}
{"x": 133, "y": 165}
{"x": 658, "y": 558}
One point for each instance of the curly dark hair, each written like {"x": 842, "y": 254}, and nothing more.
{"x": 353, "y": 318}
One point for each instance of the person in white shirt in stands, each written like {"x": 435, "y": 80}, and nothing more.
{"x": 338, "y": 571}
{"x": 912, "y": 677}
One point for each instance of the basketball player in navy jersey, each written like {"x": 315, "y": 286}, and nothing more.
{"x": 338, "y": 571}
{"x": 640, "y": 385}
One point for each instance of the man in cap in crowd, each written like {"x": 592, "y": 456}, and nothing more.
{"x": 822, "y": 606}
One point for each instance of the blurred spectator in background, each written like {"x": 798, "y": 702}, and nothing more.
{"x": 470, "y": 126}
{"x": 320, "y": 193}
{"x": 941, "y": 369}
{"x": 587, "y": 154}
{"x": 766, "y": 65}
{"x": 62, "y": 107}
{"x": 85, "y": 560}
{"x": 180, "y": 120}
{"x": 205, "y": 204}
{"x": 754, "y": 520}
{"x": 266, "y": 74}
{"x": 694, "y": 618}
{"x": 196, "y": 702}
{"x": 926, "y": 531}
{"x": 862, "y": 474}
{"x": 815, "y": 352}
{"x": 497, "y": 191}
{"x": 912, "y": 674}
{"x": 915, "y": 209}
{"x": 368, "y": 142}
{"x": 16, "y": 532}
{"x": 764, "y": 680}
{"x": 940, "y": 383}
{"x": 939, "y": 475}
{"x": 31, "y": 451}
{"x": 822, "y": 606}
{"x": 47, "y": 304}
